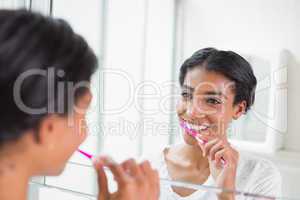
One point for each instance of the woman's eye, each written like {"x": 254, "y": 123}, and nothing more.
{"x": 213, "y": 101}
{"x": 186, "y": 95}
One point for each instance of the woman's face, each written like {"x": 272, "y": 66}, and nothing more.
{"x": 206, "y": 103}
{"x": 62, "y": 136}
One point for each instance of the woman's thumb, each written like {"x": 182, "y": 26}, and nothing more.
{"x": 102, "y": 180}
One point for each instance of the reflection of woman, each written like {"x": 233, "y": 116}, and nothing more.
{"x": 40, "y": 142}
{"x": 217, "y": 87}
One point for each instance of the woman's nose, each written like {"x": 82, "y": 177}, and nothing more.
{"x": 194, "y": 111}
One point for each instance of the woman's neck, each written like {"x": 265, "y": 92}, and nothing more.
{"x": 186, "y": 163}
{"x": 190, "y": 156}
{"x": 13, "y": 180}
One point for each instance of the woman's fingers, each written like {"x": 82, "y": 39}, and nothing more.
{"x": 146, "y": 169}
{"x": 208, "y": 145}
{"x": 216, "y": 148}
{"x": 153, "y": 179}
{"x": 213, "y": 145}
{"x": 102, "y": 180}
{"x": 144, "y": 180}
{"x": 126, "y": 167}
{"x": 219, "y": 155}
{"x": 149, "y": 173}
{"x": 117, "y": 170}
{"x": 135, "y": 181}
{"x": 135, "y": 168}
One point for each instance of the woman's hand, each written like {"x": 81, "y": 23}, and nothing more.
{"x": 135, "y": 181}
{"x": 223, "y": 161}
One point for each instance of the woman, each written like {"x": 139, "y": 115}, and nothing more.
{"x": 42, "y": 63}
{"x": 217, "y": 87}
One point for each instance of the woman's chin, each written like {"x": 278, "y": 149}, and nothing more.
{"x": 189, "y": 140}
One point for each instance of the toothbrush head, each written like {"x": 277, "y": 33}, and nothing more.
{"x": 188, "y": 129}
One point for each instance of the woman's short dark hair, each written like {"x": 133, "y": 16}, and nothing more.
{"x": 30, "y": 41}
{"x": 229, "y": 64}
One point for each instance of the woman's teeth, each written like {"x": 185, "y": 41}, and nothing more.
{"x": 196, "y": 127}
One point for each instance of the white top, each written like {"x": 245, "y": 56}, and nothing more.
{"x": 254, "y": 175}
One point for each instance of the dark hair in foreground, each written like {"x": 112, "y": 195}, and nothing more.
{"x": 32, "y": 42}
{"x": 229, "y": 64}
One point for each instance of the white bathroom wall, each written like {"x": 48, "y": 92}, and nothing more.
{"x": 13, "y": 4}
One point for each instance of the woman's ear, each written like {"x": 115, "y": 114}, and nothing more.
{"x": 48, "y": 134}
{"x": 239, "y": 109}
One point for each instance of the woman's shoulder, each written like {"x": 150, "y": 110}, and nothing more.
{"x": 156, "y": 159}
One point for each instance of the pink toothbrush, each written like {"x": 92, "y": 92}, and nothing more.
{"x": 194, "y": 134}
{"x": 89, "y": 156}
